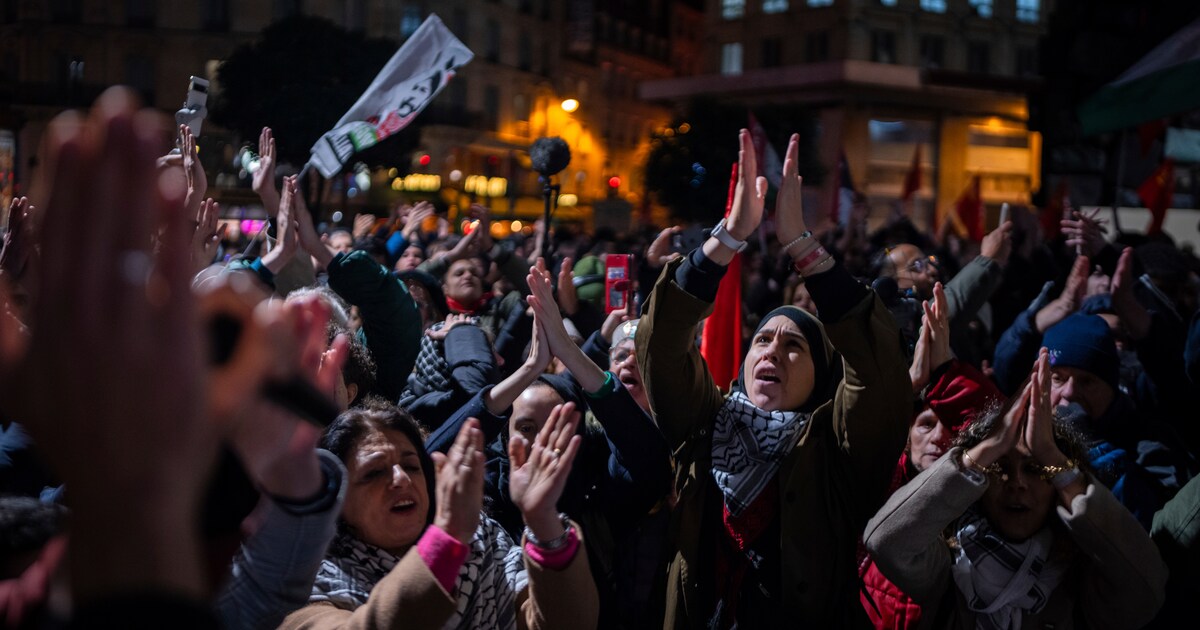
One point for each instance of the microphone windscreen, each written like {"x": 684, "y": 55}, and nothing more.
{"x": 550, "y": 155}
{"x": 887, "y": 289}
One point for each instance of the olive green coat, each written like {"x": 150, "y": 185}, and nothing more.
{"x": 833, "y": 481}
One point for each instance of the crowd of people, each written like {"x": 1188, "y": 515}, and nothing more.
{"x": 398, "y": 426}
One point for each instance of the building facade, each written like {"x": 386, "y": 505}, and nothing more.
{"x": 887, "y": 77}
{"x": 530, "y": 57}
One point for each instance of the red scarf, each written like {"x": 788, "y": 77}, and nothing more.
{"x": 459, "y": 307}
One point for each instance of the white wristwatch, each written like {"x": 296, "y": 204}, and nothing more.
{"x": 721, "y": 234}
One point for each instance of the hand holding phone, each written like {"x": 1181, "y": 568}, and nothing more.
{"x": 618, "y": 282}
{"x": 195, "y": 108}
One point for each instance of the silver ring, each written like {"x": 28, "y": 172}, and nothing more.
{"x": 135, "y": 267}
{"x": 557, "y": 453}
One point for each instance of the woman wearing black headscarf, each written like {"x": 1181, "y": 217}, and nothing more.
{"x": 776, "y": 479}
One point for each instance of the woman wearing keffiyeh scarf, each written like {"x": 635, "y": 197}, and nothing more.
{"x": 402, "y": 559}
{"x": 1009, "y": 530}
{"x": 775, "y": 479}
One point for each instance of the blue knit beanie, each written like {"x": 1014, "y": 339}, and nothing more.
{"x": 1084, "y": 342}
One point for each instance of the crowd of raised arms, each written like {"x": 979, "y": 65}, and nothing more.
{"x": 395, "y": 426}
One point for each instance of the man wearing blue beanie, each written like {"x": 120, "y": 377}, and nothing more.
{"x": 1138, "y": 458}
{"x": 1084, "y": 363}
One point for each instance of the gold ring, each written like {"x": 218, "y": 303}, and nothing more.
{"x": 557, "y": 453}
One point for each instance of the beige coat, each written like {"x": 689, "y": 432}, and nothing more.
{"x": 1116, "y": 579}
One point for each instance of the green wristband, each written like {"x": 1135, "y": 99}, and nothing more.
{"x": 609, "y": 386}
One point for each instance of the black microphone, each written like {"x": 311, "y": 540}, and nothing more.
{"x": 887, "y": 289}
{"x": 549, "y": 155}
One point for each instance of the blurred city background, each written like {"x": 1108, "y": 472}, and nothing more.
{"x": 918, "y": 103}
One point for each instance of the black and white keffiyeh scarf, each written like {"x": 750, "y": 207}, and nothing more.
{"x": 486, "y": 590}
{"x": 748, "y": 447}
{"x": 1002, "y": 580}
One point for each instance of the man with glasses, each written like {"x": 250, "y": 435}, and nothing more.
{"x": 967, "y": 292}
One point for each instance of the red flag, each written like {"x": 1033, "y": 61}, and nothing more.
{"x": 912, "y": 181}
{"x": 1055, "y": 210}
{"x": 721, "y": 341}
{"x": 970, "y": 210}
{"x": 1156, "y": 192}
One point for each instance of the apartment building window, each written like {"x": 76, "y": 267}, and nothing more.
{"x": 978, "y": 58}
{"x": 933, "y": 51}
{"x": 1028, "y": 10}
{"x": 285, "y": 8}
{"x": 820, "y": 3}
{"x": 525, "y": 52}
{"x": 410, "y": 20}
{"x": 774, "y": 6}
{"x": 731, "y": 58}
{"x": 66, "y": 10}
{"x": 772, "y": 52}
{"x": 983, "y": 8}
{"x": 491, "y": 42}
{"x": 934, "y": 6}
{"x": 139, "y": 74}
{"x": 491, "y": 105}
{"x": 216, "y": 15}
{"x": 733, "y": 9}
{"x": 460, "y": 25}
{"x": 816, "y": 46}
{"x": 1027, "y": 61}
{"x": 883, "y": 47}
{"x": 139, "y": 13}
{"x": 356, "y": 15}
{"x": 520, "y": 107}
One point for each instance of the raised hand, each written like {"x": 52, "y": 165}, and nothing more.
{"x": 193, "y": 173}
{"x": 362, "y": 225}
{"x": 939, "y": 317}
{"x": 116, "y": 325}
{"x": 612, "y": 322}
{"x": 287, "y": 231}
{"x": 1005, "y": 433}
{"x": 1038, "y": 436}
{"x": 1067, "y": 301}
{"x": 20, "y": 239}
{"x": 659, "y": 253}
{"x": 416, "y": 217}
{"x": 568, "y": 298}
{"x": 749, "y": 193}
{"x": 997, "y": 245}
{"x": 539, "y": 472}
{"x": 1134, "y": 317}
{"x": 263, "y": 180}
{"x": 460, "y": 483}
{"x": 789, "y": 207}
{"x": 920, "y": 369}
{"x": 307, "y": 234}
{"x": 206, "y": 236}
{"x": 1084, "y": 232}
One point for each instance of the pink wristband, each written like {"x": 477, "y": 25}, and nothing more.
{"x": 557, "y": 559}
{"x": 443, "y": 554}
{"x": 816, "y": 253}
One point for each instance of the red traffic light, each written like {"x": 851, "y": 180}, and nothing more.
{"x": 614, "y": 182}
{"x": 425, "y": 160}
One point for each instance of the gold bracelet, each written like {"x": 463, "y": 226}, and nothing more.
{"x": 1049, "y": 472}
{"x": 972, "y": 464}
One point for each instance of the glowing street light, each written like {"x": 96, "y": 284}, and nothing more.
{"x": 570, "y": 105}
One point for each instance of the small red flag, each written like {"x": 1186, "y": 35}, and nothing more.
{"x": 1156, "y": 192}
{"x": 721, "y": 341}
{"x": 969, "y": 208}
{"x": 912, "y": 181}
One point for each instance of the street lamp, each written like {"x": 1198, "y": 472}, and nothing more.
{"x": 570, "y": 105}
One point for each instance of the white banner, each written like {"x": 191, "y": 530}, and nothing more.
{"x": 413, "y": 76}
